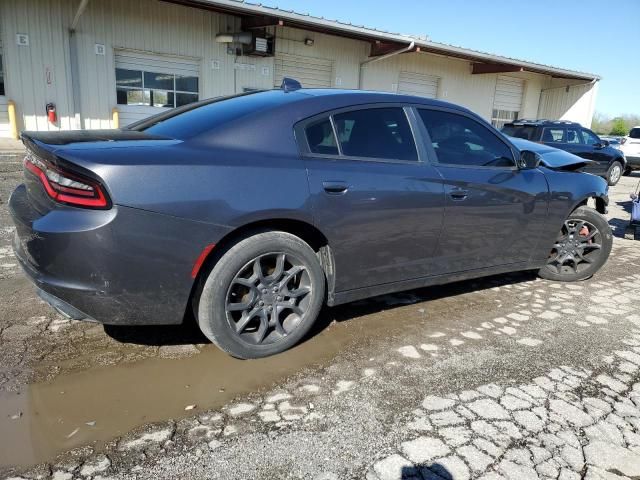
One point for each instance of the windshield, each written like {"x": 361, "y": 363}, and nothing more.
{"x": 527, "y": 132}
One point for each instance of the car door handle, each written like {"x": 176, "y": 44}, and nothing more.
{"x": 335, "y": 188}
{"x": 459, "y": 194}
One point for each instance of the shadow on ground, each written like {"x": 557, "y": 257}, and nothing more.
{"x": 189, "y": 333}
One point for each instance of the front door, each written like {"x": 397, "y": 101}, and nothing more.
{"x": 494, "y": 211}
{"x": 583, "y": 143}
{"x": 379, "y": 204}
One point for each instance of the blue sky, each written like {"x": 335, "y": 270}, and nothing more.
{"x": 587, "y": 35}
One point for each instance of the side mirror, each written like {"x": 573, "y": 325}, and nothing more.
{"x": 529, "y": 160}
{"x": 605, "y": 143}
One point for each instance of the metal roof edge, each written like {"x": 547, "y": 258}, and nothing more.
{"x": 241, "y": 6}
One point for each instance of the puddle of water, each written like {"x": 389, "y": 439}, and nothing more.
{"x": 56, "y": 416}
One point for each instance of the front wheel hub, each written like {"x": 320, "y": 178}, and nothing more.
{"x": 578, "y": 246}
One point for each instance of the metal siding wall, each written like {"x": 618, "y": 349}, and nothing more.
{"x": 576, "y": 105}
{"x": 346, "y": 54}
{"x": 457, "y": 85}
{"x": 26, "y": 66}
{"x": 147, "y": 26}
{"x": 161, "y": 28}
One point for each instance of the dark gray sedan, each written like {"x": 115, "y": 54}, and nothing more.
{"x": 255, "y": 210}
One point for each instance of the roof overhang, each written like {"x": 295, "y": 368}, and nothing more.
{"x": 260, "y": 16}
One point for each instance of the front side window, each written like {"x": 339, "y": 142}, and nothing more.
{"x": 553, "y": 135}
{"x": 459, "y": 140}
{"x": 152, "y": 89}
{"x": 573, "y": 136}
{"x": 376, "y": 133}
{"x": 634, "y": 133}
{"x": 321, "y": 139}
{"x": 590, "y": 138}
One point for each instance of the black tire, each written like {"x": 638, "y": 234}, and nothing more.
{"x": 592, "y": 220}
{"x": 220, "y": 324}
{"x": 614, "y": 173}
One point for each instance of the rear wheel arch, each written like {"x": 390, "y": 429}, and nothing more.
{"x": 301, "y": 229}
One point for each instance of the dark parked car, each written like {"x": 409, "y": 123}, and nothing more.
{"x": 608, "y": 162}
{"x": 254, "y": 210}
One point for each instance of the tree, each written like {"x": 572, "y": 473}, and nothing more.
{"x": 619, "y": 127}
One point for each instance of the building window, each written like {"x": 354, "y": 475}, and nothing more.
{"x": 500, "y": 117}
{"x": 152, "y": 89}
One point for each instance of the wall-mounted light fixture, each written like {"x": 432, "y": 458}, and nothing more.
{"x": 308, "y": 42}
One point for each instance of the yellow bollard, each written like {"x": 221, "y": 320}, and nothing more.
{"x": 115, "y": 118}
{"x": 13, "y": 122}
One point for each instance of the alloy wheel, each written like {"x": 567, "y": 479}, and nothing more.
{"x": 268, "y": 297}
{"x": 616, "y": 173}
{"x": 578, "y": 246}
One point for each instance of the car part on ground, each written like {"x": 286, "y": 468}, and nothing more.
{"x": 276, "y": 201}
{"x": 632, "y": 232}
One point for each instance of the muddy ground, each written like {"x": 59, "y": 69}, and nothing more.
{"x": 503, "y": 377}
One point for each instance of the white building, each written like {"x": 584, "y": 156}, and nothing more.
{"x": 106, "y": 63}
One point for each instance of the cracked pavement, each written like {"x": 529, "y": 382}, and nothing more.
{"x": 503, "y": 377}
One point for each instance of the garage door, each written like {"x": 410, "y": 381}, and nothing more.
{"x": 418, "y": 84}
{"x": 507, "y": 103}
{"x": 147, "y": 84}
{"x": 310, "y": 72}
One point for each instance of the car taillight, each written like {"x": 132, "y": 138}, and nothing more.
{"x": 66, "y": 187}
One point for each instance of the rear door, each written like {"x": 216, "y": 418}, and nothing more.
{"x": 372, "y": 194}
{"x": 494, "y": 211}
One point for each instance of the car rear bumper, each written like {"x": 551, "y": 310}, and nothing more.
{"x": 633, "y": 162}
{"x": 120, "y": 266}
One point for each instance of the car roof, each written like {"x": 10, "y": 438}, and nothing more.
{"x": 543, "y": 122}
{"x": 355, "y": 97}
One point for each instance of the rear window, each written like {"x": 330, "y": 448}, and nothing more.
{"x": 528, "y": 132}
{"x": 199, "y": 118}
{"x": 634, "y": 133}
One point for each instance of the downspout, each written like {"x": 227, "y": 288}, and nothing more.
{"x": 363, "y": 65}
{"x": 73, "y": 62}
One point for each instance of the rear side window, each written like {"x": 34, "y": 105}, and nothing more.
{"x": 634, "y": 133}
{"x": 553, "y": 135}
{"x": 321, "y": 139}
{"x": 459, "y": 140}
{"x": 528, "y": 132}
{"x": 376, "y": 133}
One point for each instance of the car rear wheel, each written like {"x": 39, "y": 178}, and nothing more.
{"x": 614, "y": 173}
{"x": 262, "y": 296}
{"x": 582, "y": 247}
